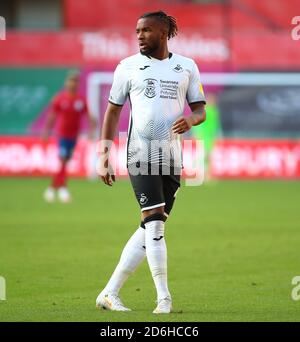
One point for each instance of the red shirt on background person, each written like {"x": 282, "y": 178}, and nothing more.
{"x": 69, "y": 109}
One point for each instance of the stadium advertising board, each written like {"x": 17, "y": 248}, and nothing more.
{"x": 29, "y": 156}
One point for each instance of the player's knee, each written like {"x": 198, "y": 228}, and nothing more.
{"x": 166, "y": 215}
{"x": 159, "y": 210}
{"x": 156, "y": 214}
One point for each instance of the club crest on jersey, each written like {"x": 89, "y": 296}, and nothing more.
{"x": 150, "y": 90}
{"x": 178, "y": 68}
{"x": 143, "y": 199}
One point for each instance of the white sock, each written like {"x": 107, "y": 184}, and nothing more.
{"x": 133, "y": 254}
{"x": 156, "y": 251}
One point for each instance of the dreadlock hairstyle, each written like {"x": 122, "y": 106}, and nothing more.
{"x": 167, "y": 19}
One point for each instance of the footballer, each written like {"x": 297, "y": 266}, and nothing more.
{"x": 157, "y": 83}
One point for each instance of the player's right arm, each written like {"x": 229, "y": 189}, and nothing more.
{"x": 51, "y": 118}
{"x": 48, "y": 125}
{"x": 117, "y": 97}
{"x": 109, "y": 128}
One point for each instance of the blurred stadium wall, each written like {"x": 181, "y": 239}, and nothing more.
{"x": 249, "y": 61}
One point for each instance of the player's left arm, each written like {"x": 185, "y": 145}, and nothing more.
{"x": 184, "y": 123}
{"x": 196, "y": 100}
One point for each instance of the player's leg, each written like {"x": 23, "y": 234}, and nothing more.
{"x": 149, "y": 193}
{"x": 61, "y": 182}
{"x": 132, "y": 255}
{"x": 156, "y": 251}
{"x": 134, "y": 251}
{"x": 156, "y": 244}
{"x": 49, "y": 194}
{"x": 66, "y": 148}
{"x": 60, "y": 176}
{"x": 171, "y": 186}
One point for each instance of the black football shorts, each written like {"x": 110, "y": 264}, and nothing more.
{"x": 155, "y": 190}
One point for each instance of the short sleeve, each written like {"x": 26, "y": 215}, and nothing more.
{"x": 120, "y": 87}
{"x": 195, "y": 91}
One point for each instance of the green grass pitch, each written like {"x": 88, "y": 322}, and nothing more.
{"x": 233, "y": 249}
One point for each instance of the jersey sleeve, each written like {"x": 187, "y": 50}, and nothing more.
{"x": 120, "y": 87}
{"x": 195, "y": 91}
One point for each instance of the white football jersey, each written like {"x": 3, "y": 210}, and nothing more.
{"x": 157, "y": 91}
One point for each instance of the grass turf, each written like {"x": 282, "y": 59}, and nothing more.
{"x": 233, "y": 251}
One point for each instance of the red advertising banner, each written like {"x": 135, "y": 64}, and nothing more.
{"x": 29, "y": 156}
{"x": 256, "y": 159}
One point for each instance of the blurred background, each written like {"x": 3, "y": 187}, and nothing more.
{"x": 248, "y": 52}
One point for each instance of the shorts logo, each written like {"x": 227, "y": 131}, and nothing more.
{"x": 178, "y": 68}
{"x": 143, "y": 199}
{"x": 150, "y": 90}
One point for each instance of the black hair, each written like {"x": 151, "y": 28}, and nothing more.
{"x": 167, "y": 19}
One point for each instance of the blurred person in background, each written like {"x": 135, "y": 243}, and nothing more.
{"x": 67, "y": 109}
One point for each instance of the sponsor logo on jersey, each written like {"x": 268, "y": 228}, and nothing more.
{"x": 178, "y": 68}
{"x": 143, "y": 199}
{"x": 168, "y": 89}
{"x": 145, "y": 67}
{"x": 150, "y": 90}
